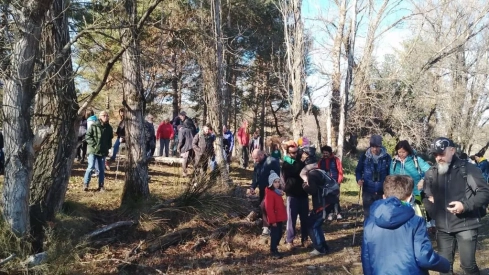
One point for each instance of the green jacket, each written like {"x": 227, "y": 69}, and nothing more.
{"x": 99, "y": 139}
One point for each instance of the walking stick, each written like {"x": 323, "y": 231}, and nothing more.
{"x": 356, "y": 216}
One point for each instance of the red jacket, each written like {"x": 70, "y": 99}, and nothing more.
{"x": 274, "y": 206}
{"x": 335, "y": 170}
{"x": 165, "y": 131}
{"x": 243, "y": 136}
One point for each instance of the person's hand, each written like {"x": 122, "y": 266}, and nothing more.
{"x": 122, "y": 139}
{"x": 430, "y": 198}
{"x": 360, "y": 182}
{"x": 274, "y": 224}
{"x": 252, "y": 191}
{"x": 420, "y": 184}
{"x": 455, "y": 207}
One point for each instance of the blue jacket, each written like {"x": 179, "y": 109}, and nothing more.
{"x": 395, "y": 241}
{"x": 484, "y": 166}
{"x": 262, "y": 171}
{"x": 408, "y": 167}
{"x": 373, "y": 174}
{"x": 228, "y": 141}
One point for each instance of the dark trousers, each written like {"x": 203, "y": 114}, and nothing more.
{"x": 81, "y": 149}
{"x": 316, "y": 232}
{"x": 466, "y": 242}
{"x": 275, "y": 236}
{"x": 297, "y": 207}
{"x": 164, "y": 144}
{"x": 368, "y": 199}
{"x": 245, "y": 156}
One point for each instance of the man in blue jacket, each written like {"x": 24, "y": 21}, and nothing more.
{"x": 263, "y": 165}
{"x": 483, "y": 165}
{"x": 394, "y": 239}
{"x": 371, "y": 171}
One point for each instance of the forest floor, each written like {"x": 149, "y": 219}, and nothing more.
{"x": 207, "y": 235}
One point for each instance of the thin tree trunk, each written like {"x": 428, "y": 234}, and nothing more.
{"x": 275, "y": 118}
{"x": 17, "y": 99}
{"x": 56, "y": 108}
{"x": 136, "y": 181}
{"x": 329, "y": 129}
{"x": 175, "y": 88}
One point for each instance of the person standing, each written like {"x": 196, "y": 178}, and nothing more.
{"x": 244, "y": 142}
{"x": 164, "y": 134}
{"x": 228, "y": 143}
{"x": 81, "y": 148}
{"x": 184, "y": 148}
{"x": 121, "y": 138}
{"x": 297, "y": 199}
{"x": 99, "y": 138}
{"x": 483, "y": 165}
{"x": 256, "y": 141}
{"x": 203, "y": 146}
{"x": 150, "y": 136}
{"x": 274, "y": 205}
{"x": 455, "y": 191}
{"x": 371, "y": 171}
{"x": 263, "y": 166}
{"x": 333, "y": 167}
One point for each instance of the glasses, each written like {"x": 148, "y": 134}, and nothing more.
{"x": 104, "y": 115}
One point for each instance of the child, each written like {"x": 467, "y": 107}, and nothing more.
{"x": 276, "y": 213}
{"x": 395, "y": 239}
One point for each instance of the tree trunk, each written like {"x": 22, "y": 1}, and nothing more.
{"x": 17, "y": 99}
{"x": 55, "y": 108}
{"x": 174, "y": 82}
{"x": 136, "y": 181}
{"x": 275, "y": 118}
{"x": 329, "y": 129}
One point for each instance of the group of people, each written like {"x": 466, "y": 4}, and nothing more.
{"x": 453, "y": 191}
{"x": 300, "y": 175}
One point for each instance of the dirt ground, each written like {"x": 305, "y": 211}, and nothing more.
{"x": 238, "y": 250}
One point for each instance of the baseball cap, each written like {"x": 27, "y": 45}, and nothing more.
{"x": 183, "y": 113}
{"x": 439, "y": 145}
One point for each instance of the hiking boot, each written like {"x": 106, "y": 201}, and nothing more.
{"x": 107, "y": 165}
{"x": 330, "y": 216}
{"x": 85, "y": 187}
{"x": 316, "y": 253}
{"x": 339, "y": 217}
{"x": 101, "y": 189}
{"x": 276, "y": 255}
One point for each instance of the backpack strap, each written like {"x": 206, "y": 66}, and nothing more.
{"x": 416, "y": 164}
{"x": 470, "y": 183}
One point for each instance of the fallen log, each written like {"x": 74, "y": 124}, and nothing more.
{"x": 164, "y": 242}
{"x": 109, "y": 227}
{"x": 8, "y": 259}
{"x": 168, "y": 160}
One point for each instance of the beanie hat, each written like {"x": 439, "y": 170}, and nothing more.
{"x": 273, "y": 176}
{"x": 375, "y": 141}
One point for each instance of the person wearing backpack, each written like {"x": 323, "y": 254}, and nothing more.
{"x": 372, "y": 168}
{"x": 483, "y": 165}
{"x": 455, "y": 192}
{"x": 324, "y": 192}
{"x": 332, "y": 165}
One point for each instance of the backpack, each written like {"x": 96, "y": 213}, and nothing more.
{"x": 416, "y": 164}
{"x": 327, "y": 186}
{"x": 482, "y": 211}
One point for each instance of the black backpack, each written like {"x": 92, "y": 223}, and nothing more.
{"x": 327, "y": 186}
{"x": 473, "y": 187}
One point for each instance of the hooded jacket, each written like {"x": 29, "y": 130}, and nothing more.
{"x": 408, "y": 167}
{"x": 395, "y": 241}
{"x": 373, "y": 173}
{"x": 453, "y": 187}
{"x": 293, "y": 182}
{"x": 99, "y": 139}
{"x": 484, "y": 166}
{"x": 165, "y": 131}
{"x": 185, "y": 139}
{"x": 274, "y": 206}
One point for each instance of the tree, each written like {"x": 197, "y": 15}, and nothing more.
{"x": 18, "y": 96}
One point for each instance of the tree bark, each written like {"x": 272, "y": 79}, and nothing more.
{"x": 56, "y": 108}
{"x": 136, "y": 182}
{"x": 17, "y": 101}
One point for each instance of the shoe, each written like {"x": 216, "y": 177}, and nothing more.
{"x": 339, "y": 217}
{"x": 330, "y": 216}
{"x": 101, "y": 189}
{"x": 85, "y": 187}
{"x": 107, "y": 165}
{"x": 265, "y": 232}
{"x": 82, "y": 161}
{"x": 315, "y": 253}
{"x": 276, "y": 255}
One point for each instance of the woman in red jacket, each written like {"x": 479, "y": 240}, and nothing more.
{"x": 164, "y": 134}
{"x": 276, "y": 213}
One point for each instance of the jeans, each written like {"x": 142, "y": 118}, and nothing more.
{"x": 117, "y": 143}
{"x": 164, "y": 143}
{"x": 94, "y": 161}
{"x": 316, "y": 232}
{"x": 466, "y": 242}
{"x": 245, "y": 156}
{"x": 275, "y": 236}
{"x": 296, "y": 207}
{"x": 367, "y": 200}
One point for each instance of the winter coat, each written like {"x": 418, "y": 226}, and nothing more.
{"x": 90, "y": 121}
{"x": 203, "y": 145}
{"x": 408, "y": 167}
{"x": 293, "y": 181}
{"x": 82, "y": 129}
{"x": 165, "y": 131}
{"x": 189, "y": 123}
{"x": 373, "y": 174}
{"x": 484, "y": 166}
{"x": 185, "y": 139}
{"x": 150, "y": 134}
{"x": 333, "y": 167}
{"x": 99, "y": 139}
{"x": 262, "y": 171}
{"x": 228, "y": 141}
{"x": 314, "y": 179}
{"x": 121, "y": 132}
{"x": 274, "y": 207}
{"x": 276, "y": 154}
{"x": 453, "y": 187}
{"x": 243, "y": 136}
{"x": 395, "y": 241}
{"x": 256, "y": 143}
